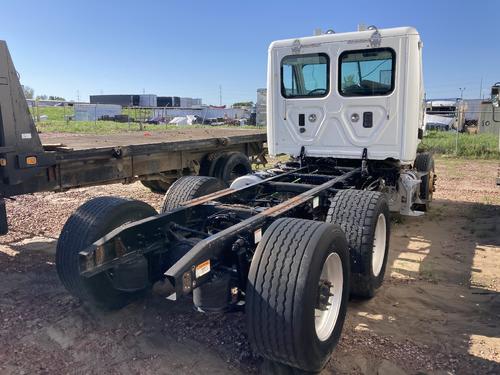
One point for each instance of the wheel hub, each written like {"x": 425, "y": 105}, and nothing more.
{"x": 329, "y": 297}
{"x": 379, "y": 244}
{"x": 324, "y": 294}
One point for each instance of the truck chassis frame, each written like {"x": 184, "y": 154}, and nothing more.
{"x": 229, "y": 230}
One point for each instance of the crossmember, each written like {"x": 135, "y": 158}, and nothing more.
{"x": 160, "y": 233}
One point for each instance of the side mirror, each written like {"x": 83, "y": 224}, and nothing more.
{"x": 495, "y": 95}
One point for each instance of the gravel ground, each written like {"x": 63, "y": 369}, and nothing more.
{"x": 437, "y": 312}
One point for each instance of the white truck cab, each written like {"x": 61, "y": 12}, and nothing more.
{"x": 335, "y": 95}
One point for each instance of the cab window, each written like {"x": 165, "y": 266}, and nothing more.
{"x": 367, "y": 72}
{"x": 305, "y": 76}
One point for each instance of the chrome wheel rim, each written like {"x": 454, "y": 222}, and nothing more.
{"x": 379, "y": 242}
{"x": 329, "y": 297}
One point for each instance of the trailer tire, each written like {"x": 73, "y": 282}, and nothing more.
{"x": 364, "y": 218}
{"x": 231, "y": 166}
{"x": 88, "y": 223}
{"x": 424, "y": 162}
{"x": 187, "y": 188}
{"x": 286, "y": 279}
{"x": 210, "y": 169}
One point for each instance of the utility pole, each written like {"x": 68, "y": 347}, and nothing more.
{"x": 220, "y": 95}
{"x": 481, "y": 89}
{"x": 462, "y": 89}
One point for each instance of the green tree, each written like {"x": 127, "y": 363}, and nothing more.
{"x": 243, "y": 104}
{"x": 29, "y": 93}
{"x": 59, "y": 98}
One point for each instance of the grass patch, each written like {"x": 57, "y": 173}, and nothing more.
{"x": 53, "y": 113}
{"x": 110, "y": 127}
{"x": 57, "y": 123}
{"x": 99, "y": 127}
{"x": 476, "y": 146}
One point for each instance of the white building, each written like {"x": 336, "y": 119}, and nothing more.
{"x": 94, "y": 112}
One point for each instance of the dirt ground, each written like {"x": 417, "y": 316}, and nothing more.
{"x": 438, "y": 311}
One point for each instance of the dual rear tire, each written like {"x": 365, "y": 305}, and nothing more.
{"x": 297, "y": 292}
{"x": 303, "y": 272}
{"x": 87, "y": 224}
{"x": 229, "y": 166}
{"x": 364, "y": 218}
{"x": 188, "y": 188}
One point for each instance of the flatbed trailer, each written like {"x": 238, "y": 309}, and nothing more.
{"x": 77, "y": 160}
{"x": 32, "y": 162}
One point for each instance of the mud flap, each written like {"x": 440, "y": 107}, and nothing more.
{"x": 4, "y": 226}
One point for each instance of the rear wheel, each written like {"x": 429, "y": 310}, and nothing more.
{"x": 230, "y": 166}
{"x": 87, "y": 224}
{"x": 364, "y": 217}
{"x": 187, "y": 188}
{"x": 297, "y": 291}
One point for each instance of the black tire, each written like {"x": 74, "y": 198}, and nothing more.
{"x": 424, "y": 162}
{"x": 187, "y": 188}
{"x": 210, "y": 171}
{"x": 282, "y": 291}
{"x": 156, "y": 186}
{"x": 87, "y": 224}
{"x": 231, "y": 166}
{"x": 357, "y": 213}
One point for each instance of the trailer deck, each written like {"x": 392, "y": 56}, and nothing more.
{"x": 72, "y": 141}
{"x": 75, "y": 160}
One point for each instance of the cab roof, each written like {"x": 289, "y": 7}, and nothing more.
{"x": 352, "y": 36}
